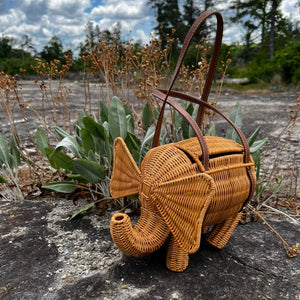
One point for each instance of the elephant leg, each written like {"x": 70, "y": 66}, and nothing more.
{"x": 177, "y": 259}
{"x": 222, "y": 232}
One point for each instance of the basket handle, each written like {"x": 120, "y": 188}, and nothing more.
{"x": 160, "y": 94}
{"x": 208, "y": 82}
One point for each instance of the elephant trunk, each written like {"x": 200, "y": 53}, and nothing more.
{"x": 148, "y": 235}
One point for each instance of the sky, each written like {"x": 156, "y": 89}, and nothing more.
{"x": 42, "y": 19}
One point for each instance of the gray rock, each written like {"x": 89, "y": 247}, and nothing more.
{"x": 42, "y": 260}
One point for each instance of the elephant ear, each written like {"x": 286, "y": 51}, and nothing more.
{"x": 126, "y": 175}
{"x": 183, "y": 204}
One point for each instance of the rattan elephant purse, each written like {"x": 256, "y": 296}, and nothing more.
{"x": 184, "y": 186}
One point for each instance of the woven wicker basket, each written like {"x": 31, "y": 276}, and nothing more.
{"x": 183, "y": 186}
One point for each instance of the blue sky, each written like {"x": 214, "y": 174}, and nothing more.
{"x": 41, "y": 19}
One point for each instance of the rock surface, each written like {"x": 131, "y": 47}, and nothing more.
{"x": 45, "y": 256}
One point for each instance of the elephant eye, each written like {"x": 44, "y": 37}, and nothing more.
{"x": 146, "y": 187}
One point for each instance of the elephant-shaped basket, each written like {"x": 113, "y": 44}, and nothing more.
{"x": 184, "y": 186}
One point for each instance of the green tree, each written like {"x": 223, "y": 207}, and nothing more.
{"x": 168, "y": 17}
{"x": 259, "y": 16}
{"x": 5, "y": 47}
{"x": 27, "y": 45}
{"x": 53, "y": 50}
{"x": 252, "y": 15}
{"x": 273, "y": 17}
{"x": 190, "y": 12}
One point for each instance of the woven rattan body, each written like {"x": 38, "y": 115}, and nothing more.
{"x": 228, "y": 171}
{"x": 178, "y": 197}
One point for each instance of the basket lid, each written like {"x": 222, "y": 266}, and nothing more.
{"x": 217, "y": 146}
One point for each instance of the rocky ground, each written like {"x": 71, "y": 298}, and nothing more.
{"x": 45, "y": 256}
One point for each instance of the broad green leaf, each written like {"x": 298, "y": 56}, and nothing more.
{"x": 236, "y": 118}
{"x": 4, "y": 152}
{"x": 13, "y": 163}
{"x": 147, "y": 140}
{"x": 71, "y": 144}
{"x": 147, "y": 117}
{"x": 103, "y": 112}
{"x": 82, "y": 115}
{"x": 92, "y": 156}
{"x": 15, "y": 154}
{"x": 212, "y": 130}
{"x": 61, "y": 132}
{"x": 128, "y": 112}
{"x": 61, "y": 186}
{"x": 258, "y": 145}
{"x": 41, "y": 140}
{"x": 253, "y": 136}
{"x": 177, "y": 119}
{"x": 89, "y": 170}
{"x": 256, "y": 159}
{"x": 260, "y": 188}
{"x": 100, "y": 147}
{"x": 117, "y": 119}
{"x": 82, "y": 210}
{"x": 185, "y": 123}
{"x": 87, "y": 141}
{"x": 108, "y": 151}
{"x": 94, "y": 128}
{"x": 77, "y": 177}
{"x": 130, "y": 125}
{"x": 106, "y": 127}
{"x": 2, "y": 180}
{"x": 59, "y": 160}
{"x": 156, "y": 113}
{"x": 132, "y": 142}
{"x": 194, "y": 115}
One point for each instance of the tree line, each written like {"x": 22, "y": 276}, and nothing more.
{"x": 270, "y": 45}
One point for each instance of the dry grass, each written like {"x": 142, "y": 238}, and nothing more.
{"x": 115, "y": 68}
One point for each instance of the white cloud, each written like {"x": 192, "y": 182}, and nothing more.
{"x": 47, "y": 32}
{"x": 70, "y": 30}
{"x": 290, "y": 9}
{"x": 232, "y": 34}
{"x": 15, "y": 16}
{"x": 70, "y": 8}
{"x": 132, "y": 15}
{"x": 141, "y": 36}
{"x": 41, "y": 19}
{"x": 121, "y": 9}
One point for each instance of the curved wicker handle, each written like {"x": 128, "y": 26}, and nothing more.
{"x": 208, "y": 82}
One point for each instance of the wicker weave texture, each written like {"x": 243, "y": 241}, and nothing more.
{"x": 178, "y": 198}
{"x": 184, "y": 186}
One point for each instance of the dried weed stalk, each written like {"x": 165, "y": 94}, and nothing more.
{"x": 112, "y": 67}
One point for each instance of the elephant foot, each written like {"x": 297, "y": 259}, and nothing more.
{"x": 177, "y": 259}
{"x": 222, "y": 232}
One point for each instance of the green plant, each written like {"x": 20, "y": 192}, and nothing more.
{"x": 87, "y": 157}
{"x": 10, "y": 160}
{"x": 255, "y": 150}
